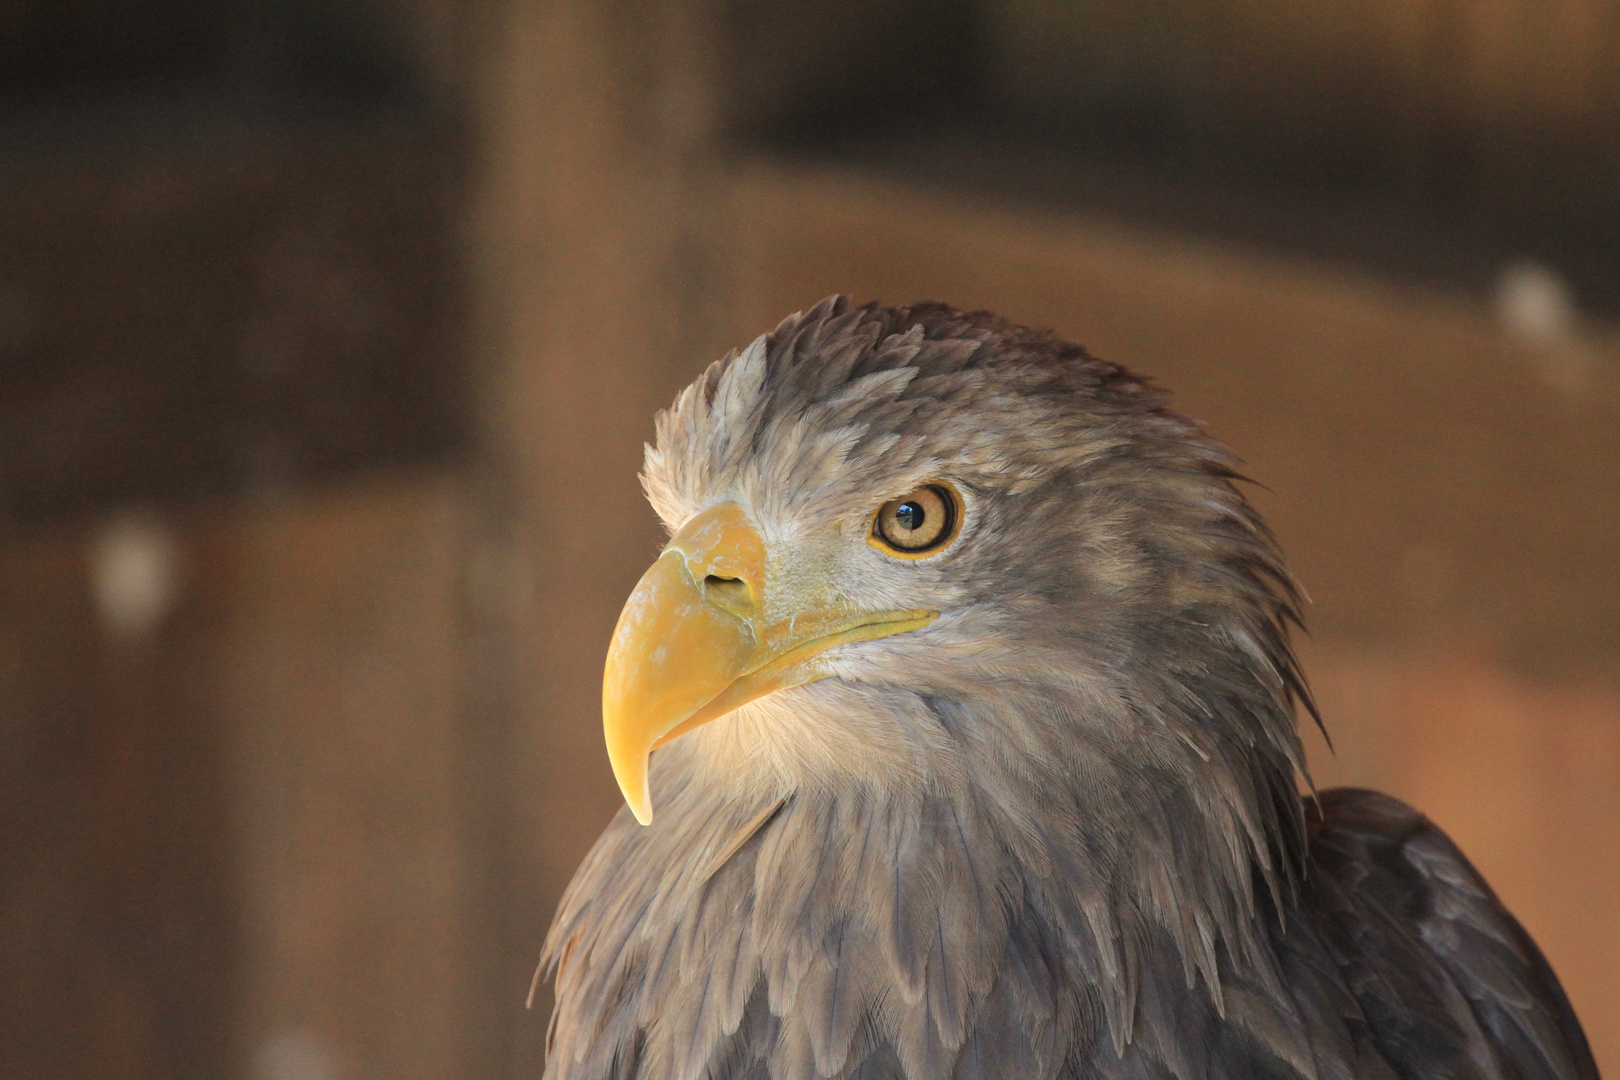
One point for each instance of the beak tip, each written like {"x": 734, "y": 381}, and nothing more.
{"x": 639, "y": 802}
{"x": 633, "y": 786}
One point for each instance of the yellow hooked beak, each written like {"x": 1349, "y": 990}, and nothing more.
{"x": 697, "y": 639}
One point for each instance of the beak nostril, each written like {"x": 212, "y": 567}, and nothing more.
{"x": 730, "y": 593}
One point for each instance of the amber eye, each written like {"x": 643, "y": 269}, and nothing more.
{"x": 918, "y": 523}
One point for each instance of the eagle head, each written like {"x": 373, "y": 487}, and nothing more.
{"x": 891, "y": 527}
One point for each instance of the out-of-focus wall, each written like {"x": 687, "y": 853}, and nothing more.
{"x": 230, "y": 832}
{"x": 599, "y": 262}
{"x": 1397, "y": 74}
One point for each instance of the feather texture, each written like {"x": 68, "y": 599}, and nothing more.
{"x": 1057, "y": 833}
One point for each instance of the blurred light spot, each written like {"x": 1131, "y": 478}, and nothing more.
{"x": 296, "y": 1054}
{"x": 1535, "y": 304}
{"x": 134, "y": 574}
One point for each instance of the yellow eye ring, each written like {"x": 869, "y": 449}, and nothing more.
{"x": 918, "y": 524}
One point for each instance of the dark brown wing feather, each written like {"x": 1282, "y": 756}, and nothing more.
{"x": 1448, "y": 981}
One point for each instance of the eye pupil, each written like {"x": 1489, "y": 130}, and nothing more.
{"x": 917, "y": 523}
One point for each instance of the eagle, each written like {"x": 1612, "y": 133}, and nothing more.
{"x": 956, "y": 731}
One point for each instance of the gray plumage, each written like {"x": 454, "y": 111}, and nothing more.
{"x": 1055, "y": 834}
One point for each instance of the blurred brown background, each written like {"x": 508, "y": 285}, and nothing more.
{"x": 330, "y": 332}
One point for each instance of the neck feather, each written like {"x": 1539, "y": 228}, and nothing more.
{"x": 1050, "y": 862}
